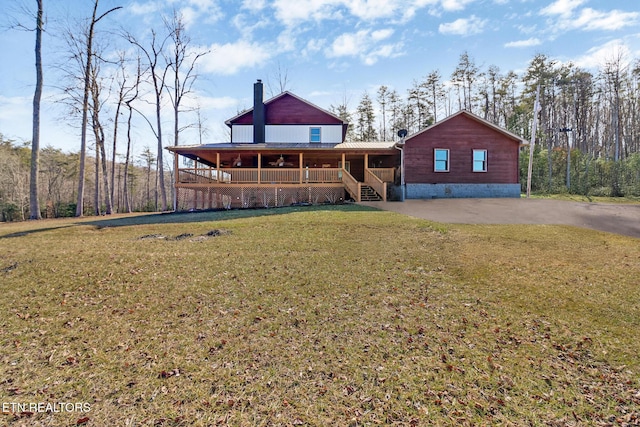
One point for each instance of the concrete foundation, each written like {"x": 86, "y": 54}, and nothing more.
{"x": 448, "y": 191}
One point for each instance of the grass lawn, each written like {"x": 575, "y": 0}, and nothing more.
{"x": 317, "y": 316}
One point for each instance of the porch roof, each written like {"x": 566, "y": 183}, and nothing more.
{"x": 206, "y": 153}
{"x": 277, "y": 147}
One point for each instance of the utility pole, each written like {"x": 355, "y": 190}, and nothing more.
{"x": 568, "y": 131}
{"x": 536, "y": 110}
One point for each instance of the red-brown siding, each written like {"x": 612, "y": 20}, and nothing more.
{"x": 461, "y": 135}
{"x": 290, "y": 110}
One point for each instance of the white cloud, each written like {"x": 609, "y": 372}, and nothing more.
{"x": 146, "y": 8}
{"x": 455, "y": 5}
{"x": 374, "y": 9}
{"x": 600, "y": 55}
{"x": 561, "y": 7}
{"x": 364, "y": 44}
{"x": 229, "y": 58}
{"x": 313, "y": 46}
{"x": 591, "y": 19}
{"x": 220, "y": 103}
{"x": 524, "y": 43}
{"x": 295, "y": 12}
{"x": 463, "y": 27}
{"x": 381, "y": 34}
{"x": 189, "y": 16}
{"x": 570, "y": 17}
{"x": 254, "y": 5}
{"x": 349, "y": 44}
{"x": 292, "y": 12}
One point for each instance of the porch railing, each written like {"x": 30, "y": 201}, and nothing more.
{"x": 267, "y": 175}
{"x": 385, "y": 174}
{"x": 352, "y": 185}
{"x": 202, "y": 175}
{"x": 373, "y": 181}
{"x": 376, "y": 178}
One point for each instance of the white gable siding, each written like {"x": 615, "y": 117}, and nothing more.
{"x": 331, "y": 134}
{"x": 242, "y": 133}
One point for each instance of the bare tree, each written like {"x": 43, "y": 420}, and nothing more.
{"x": 85, "y": 103}
{"x": 183, "y": 73}
{"x": 98, "y": 131}
{"x": 128, "y": 96}
{"x": 342, "y": 110}
{"x": 435, "y": 89}
{"x": 383, "y": 101}
{"x": 281, "y": 78}
{"x": 34, "y": 204}
{"x": 463, "y": 77}
{"x": 153, "y": 54}
{"x": 116, "y": 120}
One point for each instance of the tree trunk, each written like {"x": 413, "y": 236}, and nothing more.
{"x": 127, "y": 203}
{"x": 85, "y": 113}
{"x": 160, "y": 165}
{"x": 115, "y": 143}
{"x": 85, "y": 106}
{"x": 34, "y": 204}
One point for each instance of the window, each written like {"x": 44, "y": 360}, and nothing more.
{"x": 441, "y": 160}
{"x": 314, "y": 135}
{"x": 479, "y": 160}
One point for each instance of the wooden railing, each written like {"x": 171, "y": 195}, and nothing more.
{"x": 323, "y": 175}
{"x": 280, "y": 176}
{"x": 241, "y": 175}
{"x": 385, "y": 174}
{"x": 376, "y": 178}
{"x": 202, "y": 175}
{"x": 267, "y": 175}
{"x": 372, "y": 180}
{"x": 352, "y": 185}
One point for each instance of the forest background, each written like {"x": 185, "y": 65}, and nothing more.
{"x": 587, "y": 139}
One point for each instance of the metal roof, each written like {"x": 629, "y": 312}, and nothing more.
{"x": 227, "y": 146}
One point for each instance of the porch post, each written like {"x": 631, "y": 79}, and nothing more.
{"x": 176, "y": 172}
{"x": 259, "y": 167}
{"x": 300, "y": 166}
{"x": 343, "y": 161}
{"x": 366, "y": 166}
{"x": 195, "y": 193}
{"x": 218, "y": 167}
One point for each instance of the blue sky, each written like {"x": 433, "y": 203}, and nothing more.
{"x": 330, "y": 50}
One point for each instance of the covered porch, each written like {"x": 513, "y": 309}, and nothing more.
{"x": 243, "y": 175}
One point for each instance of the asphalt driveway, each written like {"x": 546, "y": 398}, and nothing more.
{"x": 613, "y": 218}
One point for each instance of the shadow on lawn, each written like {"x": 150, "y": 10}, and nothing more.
{"x": 218, "y": 215}
{"x": 196, "y": 216}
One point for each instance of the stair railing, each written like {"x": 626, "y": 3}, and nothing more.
{"x": 376, "y": 183}
{"x": 351, "y": 185}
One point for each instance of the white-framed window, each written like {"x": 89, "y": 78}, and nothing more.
{"x": 440, "y": 160}
{"x": 315, "y": 134}
{"x": 479, "y": 160}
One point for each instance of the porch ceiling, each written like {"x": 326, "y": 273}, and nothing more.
{"x": 208, "y": 153}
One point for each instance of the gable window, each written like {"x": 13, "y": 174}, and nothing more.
{"x": 315, "y": 135}
{"x": 479, "y": 160}
{"x": 441, "y": 160}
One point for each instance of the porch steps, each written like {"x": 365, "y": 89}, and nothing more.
{"x": 368, "y": 194}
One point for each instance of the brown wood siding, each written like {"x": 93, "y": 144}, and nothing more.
{"x": 289, "y": 110}
{"x": 461, "y": 135}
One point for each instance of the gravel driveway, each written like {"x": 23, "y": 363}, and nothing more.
{"x": 613, "y": 218}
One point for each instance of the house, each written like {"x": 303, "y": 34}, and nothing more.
{"x": 287, "y": 151}
{"x": 462, "y": 156}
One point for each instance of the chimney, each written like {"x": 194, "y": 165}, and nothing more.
{"x": 258, "y": 113}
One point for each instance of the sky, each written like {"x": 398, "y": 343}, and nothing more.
{"x": 330, "y": 51}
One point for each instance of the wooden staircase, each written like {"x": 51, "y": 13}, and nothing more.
{"x": 368, "y": 194}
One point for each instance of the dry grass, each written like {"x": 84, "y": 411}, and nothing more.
{"x": 343, "y": 316}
